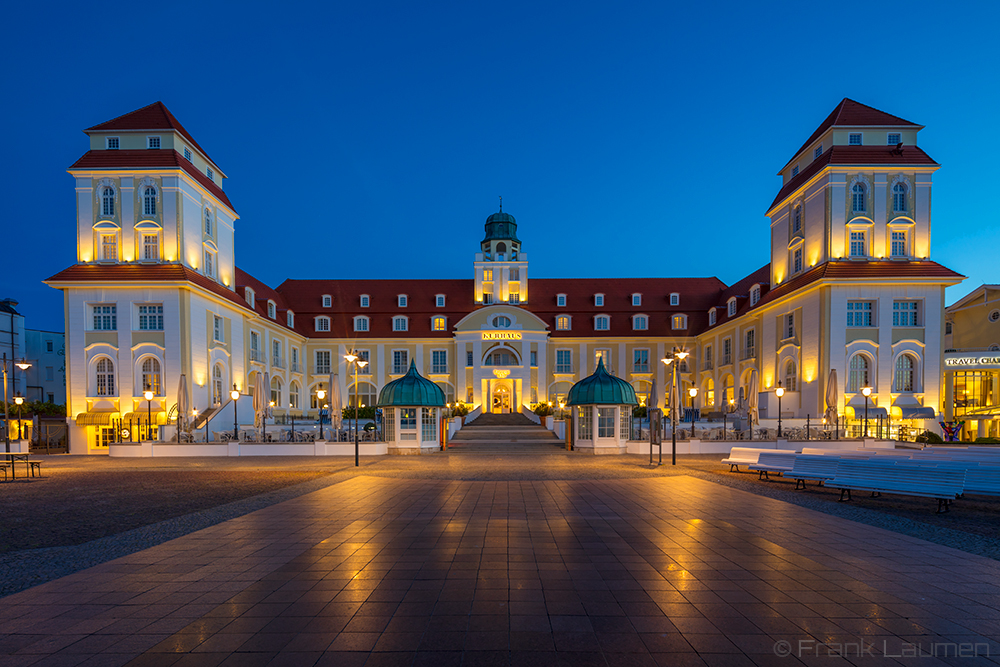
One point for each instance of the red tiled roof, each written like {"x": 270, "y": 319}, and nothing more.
{"x": 143, "y": 273}
{"x": 854, "y": 114}
{"x": 147, "y": 159}
{"x": 741, "y": 290}
{"x": 263, "y": 293}
{"x": 854, "y": 155}
{"x": 156, "y": 116}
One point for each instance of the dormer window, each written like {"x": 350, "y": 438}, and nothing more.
{"x": 210, "y": 174}
{"x": 678, "y": 322}
{"x": 152, "y": 142}
{"x": 327, "y": 300}
{"x": 364, "y": 300}
{"x": 322, "y": 324}
{"x": 795, "y": 171}
{"x": 636, "y": 299}
{"x": 854, "y": 139}
{"x": 675, "y": 299}
{"x": 112, "y": 143}
{"x": 401, "y": 300}
{"x": 599, "y": 300}
{"x": 754, "y": 295}
{"x": 439, "y": 300}
{"x": 187, "y": 154}
{"x": 272, "y": 310}
{"x": 731, "y": 307}
{"x": 561, "y": 300}
{"x": 893, "y": 138}
{"x": 602, "y": 323}
{"x": 818, "y": 151}
{"x": 248, "y": 296}
{"x": 711, "y": 317}
{"x": 290, "y": 319}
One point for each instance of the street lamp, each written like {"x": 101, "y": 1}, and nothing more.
{"x": 320, "y": 394}
{"x": 290, "y": 406}
{"x": 148, "y": 395}
{"x": 693, "y": 391}
{"x": 358, "y": 362}
{"x": 235, "y": 394}
{"x": 779, "y": 392}
{"x": 674, "y": 357}
{"x": 867, "y": 391}
{"x": 18, "y": 400}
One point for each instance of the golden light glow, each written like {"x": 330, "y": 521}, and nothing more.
{"x": 867, "y": 391}
{"x": 501, "y": 374}
{"x": 320, "y": 394}
{"x": 502, "y": 335}
{"x": 351, "y": 358}
{"x": 148, "y": 395}
{"x": 780, "y": 391}
{"x": 18, "y": 400}
{"x": 362, "y": 363}
{"x": 693, "y": 391}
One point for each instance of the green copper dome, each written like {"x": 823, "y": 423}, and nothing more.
{"x": 601, "y": 388}
{"x": 501, "y": 227}
{"x": 411, "y": 390}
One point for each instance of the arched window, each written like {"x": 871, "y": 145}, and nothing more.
{"x": 791, "y": 376}
{"x": 217, "y": 385}
{"x": 858, "y": 198}
{"x": 501, "y": 250}
{"x": 399, "y": 324}
{"x": 858, "y": 373}
{"x": 208, "y": 222}
{"x": 602, "y": 323}
{"x": 105, "y": 377}
{"x": 276, "y": 391}
{"x": 501, "y": 358}
{"x": 151, "y": 376}
{"x": 360, "y": 323}
{"x": 449, "y": 392}
{"x": 439, "y": 323}
{"x": 905, "y": 373}
{"x": 293, "y": 395}
{"x": 149, "y": 201}
{"x": 108, "y": 201}
{"x": 501, "y": 321}
{"x": 899, "y": 198}
{"x": 797, "y": 220}
{"x": 366, "y": 394}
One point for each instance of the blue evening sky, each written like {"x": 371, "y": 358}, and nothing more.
{"x": 372, "y": 139}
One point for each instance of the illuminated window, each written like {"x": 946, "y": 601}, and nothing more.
{"x": 854, "y": 139}
{"x": 149, "y": 201}
{"x": 439, "y": 323}
{"x": 905, "y": 373}
{"x": 108, "y": 201}
{"x": 858, "y": 373}
{"x": 151, "y": 246}
{"x": 678, "y": 322}
{"x": 276, "y": 390}
{"x": 893, "y": 138}
{"x": 487, "y": 275}
{"x": 859, "y": 244}
{"x": 105, "y": 381}
{"x": 152, "y": 142}
{"x": 293, "y": 395}
{"x": 791, "y": 376}
{"x": 112, "y": 143}
{"x": 562, "y": 323}
{"x": 151, "y": 376}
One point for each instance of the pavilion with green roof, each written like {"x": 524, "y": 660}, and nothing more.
{"x": 411, "y": 411}
{"x": 602, "y": 412}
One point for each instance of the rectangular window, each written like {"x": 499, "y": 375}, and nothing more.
{"x": 818, "y": 151}
{"x": 754, "y": 296}
{"x": 640, "y": 323}
{"x": 602, "y": 323}
{"x": 364, "y": 300}
{"x": 439, "y": 361}
{"x": 400, "y": 361}
{"x": 187, "y": 154}
{"x": 363, "y": 355}
{"x": 151, "y": 317}
{"x": 564, "y": 361}
{"x": 709, "y": 360}
{"x": 209, "y": 264}
{"x": 605, "y": 422}
{"x": 401, "y": 300}
{"x": 105, "y": 317}
{"x": 711, "y": 317}
{"x": 50, "y": 373}
{"x": 218, "y": 330}
{"x": 327, "y": 300}
{"x": 727, "y": 351}
{"x": 408, "y": 423}
{"x": 439, "y": 300}
{"x": 606, "y": 356}
{"x": 438, "y": 324}
{"x": 625, "y": 432}
{"x": 859, "y": 313}
{"x": 515, "y": 273}
{"x": 585, "y": 421}
{"x": 797, "y": 260}
{"x": 468, "y": 359}
{"x": 795, "y": 170}
{"x": 854, "y": 139}
{"x": 399, "y": 324}
{"x": 534, "y": 359}
{"x": 562, "y": 323}
{"x": 152, "y": 142}
{"x": 675, "y": 299}
{"x": 113, "y": 143}
{"x": 560, "y": 299}
{"x": 151, "y": 246}
{"x": 599, "y": 300}
{"x": 859, "y": 245}
{"x": 893, "y": 138}
{"x": 109, "y": 247}
{"x": 640, "y": 361}
{"x": 49, "y": 347}
{"x": 428, "y": 425}
{"x": 731, "y": 307}
{"x": 904, "y": 314}
{"x": 390, "y": 424}
{"x": 322, "y": 324}
{"x": 678, "y": 322}
{"x": 898, "y": 245}
{"x": 513, "y": 293}
{"x": 790, "y": 325}
{"x": 636, "y": 299}
{"x": 210, "y": 174}
{"x": 487, "y": 296}
{"x": 322, "y": 362}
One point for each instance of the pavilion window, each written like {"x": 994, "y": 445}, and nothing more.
{"x": 605, "y": 422}
{"x": 585, "y": 421}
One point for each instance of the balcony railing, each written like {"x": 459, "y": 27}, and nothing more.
{"x": 640, "y": 368}
{"x": 726, "y": 360}
{"x": 708, "y": 365}
{"x": 749, "y": 353}
{"x": 295, "y": 367}
{"x": 322, "y": 369}
{"x": 256, "y": 355}
{"x": 564, "y": 368}
{"x": 277, "y": 362}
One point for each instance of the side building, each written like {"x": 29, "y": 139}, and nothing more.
{"x": 849, "y": 290}
{"x": 972, "y": 363}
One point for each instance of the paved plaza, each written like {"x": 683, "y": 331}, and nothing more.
{"x": 389, "y": 570}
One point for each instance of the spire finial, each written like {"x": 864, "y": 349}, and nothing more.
{"x": 501, "y": 203}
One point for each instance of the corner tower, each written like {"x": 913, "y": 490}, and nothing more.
{"x": 501, "y": 268}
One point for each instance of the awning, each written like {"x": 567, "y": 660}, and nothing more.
{"x": 95, "y": 418}
{"x": 140, "y": 417}
{"x": 873, "y": 413}
{"x": 916, "y": 412}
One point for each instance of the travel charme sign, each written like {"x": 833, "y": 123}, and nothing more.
{"x": 956, "y": 360}
{"x": 501, "y": 335}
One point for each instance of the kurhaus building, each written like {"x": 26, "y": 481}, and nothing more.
{"x": 156, "y": 293}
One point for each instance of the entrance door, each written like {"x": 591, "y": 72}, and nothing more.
{"x": 501, "y": 399}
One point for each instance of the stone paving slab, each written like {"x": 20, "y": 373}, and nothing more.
{"x": 389, "y": 571}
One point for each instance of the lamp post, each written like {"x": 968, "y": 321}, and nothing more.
{"x": 693, "y": 392}
{"x": 672, "y": 362}
{"x": 357, "y": 361}
{"x": 290, "y": 406}
{"x": 235, "y": 394}
{"x": 320, "y": 394}
{"x": 867, "y": 391}
{"x": 18, "y": 400}
{"x": 148, "y": 395}
{"x": 779, "y": 392}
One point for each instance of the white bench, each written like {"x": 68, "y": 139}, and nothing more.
{"x": 943, "y": 482}
{"x": 748, "y": 456}
{"x": 779, "y": 462}
{"x": 811, "y": 466}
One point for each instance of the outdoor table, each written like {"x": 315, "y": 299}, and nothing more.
{"x": 13, "y": 458}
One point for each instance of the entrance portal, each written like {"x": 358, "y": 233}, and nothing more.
{"x": 501, "y": 399}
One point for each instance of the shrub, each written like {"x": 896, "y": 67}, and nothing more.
{"x": 460, "y": 409}
{"x": 367, "y": 412}
{"x": 987, "y": 441}
{"x": 639, "y": 411}
{"x": 542, "y": 409}
{"x": 930, "y": 437}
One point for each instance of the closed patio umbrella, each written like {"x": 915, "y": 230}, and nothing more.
{"x": 675, "y": 397}
{"x": 182, "y": 405}
{"x": 336, "y": 404}
{"x": 752, "y": 416}
{"x": 258, "y": 402}
{"x": 831, "y": 398}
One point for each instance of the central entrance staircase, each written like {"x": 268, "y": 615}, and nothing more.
{"x": 504, "y": 434}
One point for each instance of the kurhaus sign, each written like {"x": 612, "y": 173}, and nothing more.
{"x": 501, "y": 335}
{"x": 973, "y": 360}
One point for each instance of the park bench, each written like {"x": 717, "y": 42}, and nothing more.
{"x": 983, "y": 480}
{"x": 943, "y": 482}
{"x": 779, "y": 462}
{"x": 4, "y": 465}
{"x": 748, "y": 456}
{"x": 811, "y": 466}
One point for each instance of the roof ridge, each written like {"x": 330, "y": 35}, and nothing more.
{"x": 168, "y": 117}
{"x": 129, "y": 113}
